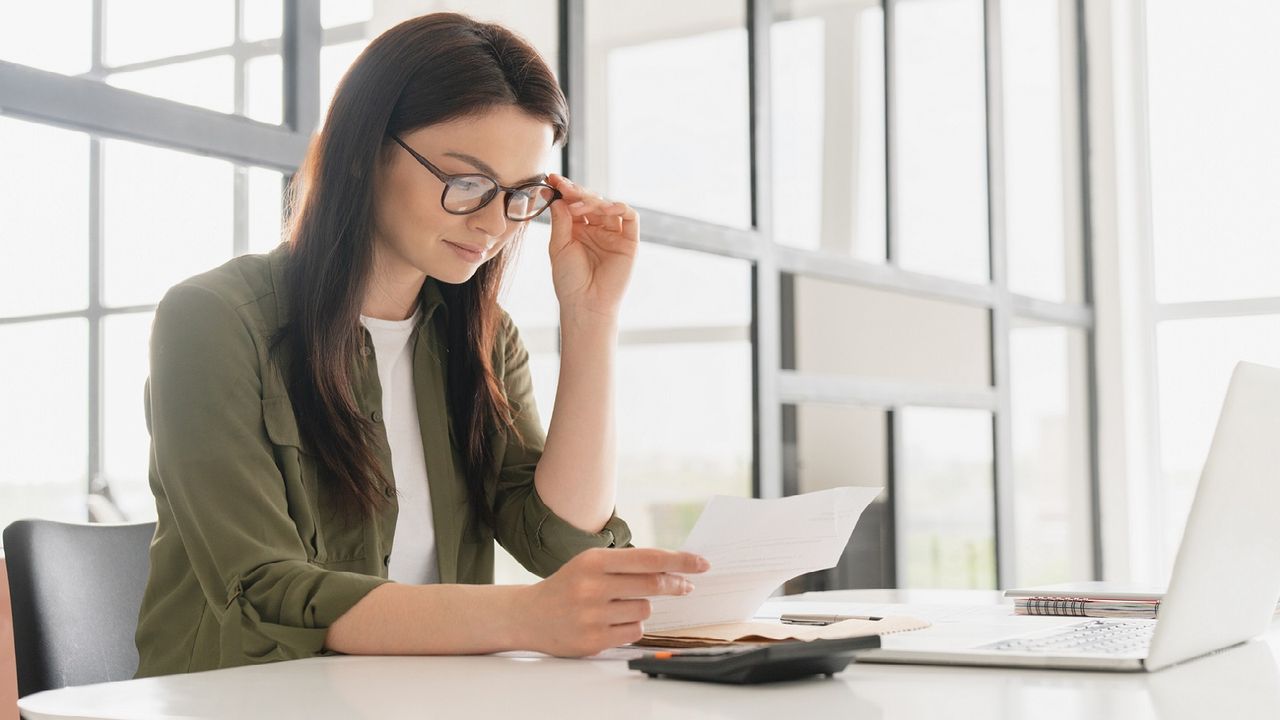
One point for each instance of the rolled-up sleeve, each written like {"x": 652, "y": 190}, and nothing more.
{"x": 534, "y": 535}
{"x": 214, "y": 463}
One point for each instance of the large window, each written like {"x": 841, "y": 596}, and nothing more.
{"x": 94, "y": 231}
{"x": 861, "y": 260}
{"x": 935, "y": 331}
{"x": 1215, "y": 225}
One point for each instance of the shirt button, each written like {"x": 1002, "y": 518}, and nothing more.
{"x": 365, "y": 350}
{"x": 377, "y": 416}
{"x": 386, "y": 560}
{"x": 388, "y": 491}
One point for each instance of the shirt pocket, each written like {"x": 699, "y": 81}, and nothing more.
{"x": 324, "y": 523}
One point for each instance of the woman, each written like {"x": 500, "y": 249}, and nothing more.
{"x": 358, "y": 389}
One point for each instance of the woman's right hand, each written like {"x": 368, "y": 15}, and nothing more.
{"x": 597, "y": 599}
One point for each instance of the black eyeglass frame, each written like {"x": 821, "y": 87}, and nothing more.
{"x": 489, "y": 196}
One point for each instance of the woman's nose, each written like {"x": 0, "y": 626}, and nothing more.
{"x": 492, "y": 218}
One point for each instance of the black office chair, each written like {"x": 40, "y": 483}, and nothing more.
{"x": 76, "y": 590}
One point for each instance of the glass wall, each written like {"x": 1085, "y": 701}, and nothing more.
{"x": 95, "y": 230}
{"x": 1214, "y": 222}
{"x": 936, "y": 334}
{"x": 914, "y": 314}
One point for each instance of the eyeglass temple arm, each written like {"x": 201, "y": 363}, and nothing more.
{"x": 445, "y": 178}
{"x": 421, "y": 160}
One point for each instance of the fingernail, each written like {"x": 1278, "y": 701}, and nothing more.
{"x": 578, "y": 204}
{"x": 703, "y": 564}
{"x": 686, "y": 587}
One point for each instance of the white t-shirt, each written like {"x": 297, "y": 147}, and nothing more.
{"x": 413, "y": 558}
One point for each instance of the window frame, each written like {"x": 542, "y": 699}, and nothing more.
{"x": 87, "y": 104}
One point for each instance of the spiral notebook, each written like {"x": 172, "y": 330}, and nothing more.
{"x": 1087, "y": 599}
{"x": 1096, "y": 599}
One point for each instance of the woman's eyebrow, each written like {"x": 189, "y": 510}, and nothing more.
{"x": 482, "y": 166}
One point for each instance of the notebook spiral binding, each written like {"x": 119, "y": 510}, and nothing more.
{"x": 1086, "y": 607}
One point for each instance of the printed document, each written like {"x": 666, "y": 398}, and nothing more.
{"x": 756, "y": 545}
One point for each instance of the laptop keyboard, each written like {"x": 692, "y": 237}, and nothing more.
{"x": 1093, "y": 637}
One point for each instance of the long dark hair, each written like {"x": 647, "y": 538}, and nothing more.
{"x": 427, "y": 70}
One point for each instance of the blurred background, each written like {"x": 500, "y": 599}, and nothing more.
{"x": 998, "y": 258}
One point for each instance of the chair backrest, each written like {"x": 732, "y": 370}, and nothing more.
{"x": 76, "y": 591}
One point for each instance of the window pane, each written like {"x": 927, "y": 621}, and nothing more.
{"x": 139, "y": 30}
{"x": 53, "y": 35}
{"x": 266, "y": 198}
{"x": 684, "y": 390}
{"x": 207, "y": 83}
{"x": 263, "y": 19}
{"x": 1196, "y": 359}
{"x": 44, "y": 430}
{"x": 264, "y": 89}
{"x": 830, "y": 446}
{"x": 44, "y": 219}
{"x": 940, "y": 150}
{"x": 652, "y": 69}
{"x": 684, "y": 434}
{"x": 1215, "y": 154}
{"x": 126, "y": 445}
{"x": 334, "y": 61}
{"x": 166, "y": 216}
{"x": 946, "y": 500}
{"x": 1044, "y": 240}
{"x": 849, "y": 330}
{"x": 675, "y": 288}
{"x": 1049, "y": 403}
{"x": 151, "y": 61}
{"x": 828, "y": 130}
{"x": 345, "y": 12}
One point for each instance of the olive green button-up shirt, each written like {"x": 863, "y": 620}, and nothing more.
{"x": 253, "y": 558}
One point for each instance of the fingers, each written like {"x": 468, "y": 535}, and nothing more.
{"x": 618, "y": 217}
{"x": 638, "y": 585}
{"x": 598, "y": 211}
{"x": 620, "y": 612}
{"x": 647, "y": 560}
{"x": 588, "y": 207}
{"x": 623, "y": 634}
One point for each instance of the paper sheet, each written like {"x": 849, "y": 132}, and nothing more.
{"x": 756, "y": 545}
{"x": 758, "y": 631}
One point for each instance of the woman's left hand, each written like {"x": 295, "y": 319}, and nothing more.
{"x": 593, "y": 246}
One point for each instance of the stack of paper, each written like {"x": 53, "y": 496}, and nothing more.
{"x": 767, "y": 632}
{"x": 754, "y": 546}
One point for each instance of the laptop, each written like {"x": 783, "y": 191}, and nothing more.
{"x": 1225, "y": 581}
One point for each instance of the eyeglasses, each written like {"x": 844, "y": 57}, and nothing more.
{"x": 467, "y": 193}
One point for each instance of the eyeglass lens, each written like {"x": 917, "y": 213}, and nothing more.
{"x": 470, "y": 193}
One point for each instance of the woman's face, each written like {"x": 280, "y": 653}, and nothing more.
{"x": 414, "y": 232}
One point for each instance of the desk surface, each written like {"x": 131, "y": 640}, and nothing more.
{"x": 1238, "y": 683}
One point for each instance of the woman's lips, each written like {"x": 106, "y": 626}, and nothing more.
{"x": 466, "y": 252}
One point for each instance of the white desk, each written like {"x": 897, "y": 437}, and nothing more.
{"x": 1239, "y": 683}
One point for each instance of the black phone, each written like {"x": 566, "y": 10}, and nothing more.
{"x": 757, "y": 663}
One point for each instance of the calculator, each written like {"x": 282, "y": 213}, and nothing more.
{"x": 756, "y": 662}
